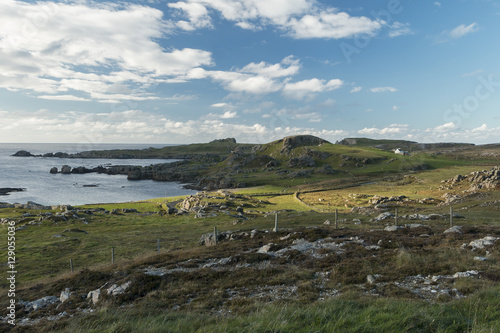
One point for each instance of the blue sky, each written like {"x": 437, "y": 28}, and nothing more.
{"x": 196, "y": 70}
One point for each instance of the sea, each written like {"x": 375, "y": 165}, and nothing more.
{"x": 42, "y": 187}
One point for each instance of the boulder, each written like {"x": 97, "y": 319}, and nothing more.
{"x": 66, "y": 169}
{"x": 65, "y": 295}
{"x": 209, "y": 239}
{"x": 383, "y": 216}
{"x": 54, "y": 170}
{"x": 453, "y": 230}
{"x": 118, "y": 290}
{"x": 94, "y": 296}
{"x": 43, "y": 302}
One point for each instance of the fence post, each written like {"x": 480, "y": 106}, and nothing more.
{"x": 336, "y": 218}
{"x": 215, "y": 235}
{"x": 276, "y": 223}
{"x": 396, "y": 217}
{"x": 451, "y": 216}
{"x": 71, "y": 265}
{"x": 113, "y": 255}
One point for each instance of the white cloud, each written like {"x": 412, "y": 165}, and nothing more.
{"x": 229, "y": 115}
{"x": 356, "y": 89}
{"x": 437, "y": 4}
{"x": 275, "y": 70}
{"x": 400, "y": 29}
{"x": 383, "y": 89}
{"x": 301, "y": 19}
{"x": 219, "y": 105}
{"x": 395, "y": 108}
{"x": 444, "y": 127}
{"x": 64, "y": 98}
{"x": 197, "y": 14}
{"x": 302, "y": 89}
{"x": 463, "y": 30}
{"x": 54, "y": 48}
{"x": 389, "y": 130}
{"x": 331, "y": 24}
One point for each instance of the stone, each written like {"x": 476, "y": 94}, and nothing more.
{"x": 94, "y": 296}
{"x": 43, "y": 302}
{"x": 483, "y": 242}
{"x": 472, "y": 273}
{"x": 54, "y": 170}
{"x": 370, "y": 279}
{"x": 209, "y": 239}
{"x": 118, "y": 290}
{"x": 265, "y": 248}
{"x": 327, "y": 222}
{"x": 383, "y": 216}
{"x": 453, "y": 230}
{"x": 392, "y": 228}
{"x": 65, "y": 295}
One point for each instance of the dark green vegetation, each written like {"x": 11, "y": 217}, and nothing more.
{"x": 309, "y": 276}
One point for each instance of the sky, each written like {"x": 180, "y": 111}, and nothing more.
{"x": 173, "y": 72}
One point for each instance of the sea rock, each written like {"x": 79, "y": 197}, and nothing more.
{"x": 66, "y": 169}
{"x": 7, "y": 190}
{"x": 23, "y": 153}
{"x": 54, "y": 170}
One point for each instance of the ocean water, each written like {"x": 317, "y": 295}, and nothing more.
{"x": 32, "y": 173}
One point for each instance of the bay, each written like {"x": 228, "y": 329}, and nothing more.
{"x": 32, "y": 173}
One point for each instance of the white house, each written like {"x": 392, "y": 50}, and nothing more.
{"x": 401, "y": 152}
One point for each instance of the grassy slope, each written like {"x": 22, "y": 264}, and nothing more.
{"x": 216, "y": 148}
{"x": 45, "y": 259}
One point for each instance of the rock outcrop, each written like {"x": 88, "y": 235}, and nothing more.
{"x": 485, "y": 179}
{"x": 291, "y": 142}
